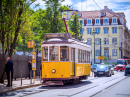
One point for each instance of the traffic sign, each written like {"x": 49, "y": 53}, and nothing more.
{"x": 30, "y": 44}
{"x": 34, "y": 61}
{"x": 101, "y": 57}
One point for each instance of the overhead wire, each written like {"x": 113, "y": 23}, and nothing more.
{"x": 96, "y": 3}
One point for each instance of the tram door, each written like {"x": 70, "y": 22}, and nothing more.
{"x": 73, "y": 58}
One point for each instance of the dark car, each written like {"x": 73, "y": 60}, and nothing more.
{"x": 102, "y": 70}
{"x": 127, "y": 70}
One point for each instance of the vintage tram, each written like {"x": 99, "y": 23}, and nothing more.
{"x": 64, "y": 59}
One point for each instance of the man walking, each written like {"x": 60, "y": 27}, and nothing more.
{"x": 9, "y": 71}
{"x": 29, "y": 68}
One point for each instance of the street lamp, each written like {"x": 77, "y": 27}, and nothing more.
{"x": 94, "y": 32}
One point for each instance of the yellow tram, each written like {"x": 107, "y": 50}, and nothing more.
{"x": 64, "y": 59}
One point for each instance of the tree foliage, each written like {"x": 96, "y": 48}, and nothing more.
{"x": 13, "y": 15}
{"x": 75, "y": 26}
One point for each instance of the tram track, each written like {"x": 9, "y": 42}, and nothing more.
{"x": 36, "y": 91}
{"x": 95, "y": 87}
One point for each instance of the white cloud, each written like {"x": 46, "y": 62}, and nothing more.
{"x": 67, "y": 2}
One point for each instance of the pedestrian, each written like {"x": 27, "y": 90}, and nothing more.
{"x": 29, "y": 67}
{"x": 9, "y": 71}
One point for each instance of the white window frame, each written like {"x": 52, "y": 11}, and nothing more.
{"x": 87, "y": 21}
{"x": 104, "y": 31}
{"x": 96, "y": 52}
{"x": 113, "y": 53}
{"x": 104, "y": 22}
{"x": 106, "y": 41}
{"x": 91, "y": 41}
{"x": 114, "y": 30}
{"x": 114, "y": 43}
{"x": 87, "y": 30}
{"x": 97, "y": 23}
{"x": 115, "y": 22}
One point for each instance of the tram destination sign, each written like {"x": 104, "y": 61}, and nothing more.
{"x": 58, "y": 35}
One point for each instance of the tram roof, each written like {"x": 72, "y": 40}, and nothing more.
{"x": 62, "y": 38}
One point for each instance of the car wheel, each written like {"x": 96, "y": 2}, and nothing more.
{"x": 125, "y": 74}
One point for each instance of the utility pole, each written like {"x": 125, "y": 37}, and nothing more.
{"x": 94, "y": 32}
{"x": 100, "y": 52}
{"x": 121, "y": 50}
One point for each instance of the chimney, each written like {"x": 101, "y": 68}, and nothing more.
{"x": 105, "y": 7}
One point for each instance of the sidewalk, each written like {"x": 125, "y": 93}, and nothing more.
{"x": 17, "y": 85}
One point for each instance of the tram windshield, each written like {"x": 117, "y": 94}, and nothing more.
{"x": 64, "y": 53}
{"x": 53, "y": 53}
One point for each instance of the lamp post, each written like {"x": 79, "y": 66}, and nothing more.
{"x": 94, "y": 32}
{"x": 100, "y": 52}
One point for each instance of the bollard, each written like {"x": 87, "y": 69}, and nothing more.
{"x": 40, "y": 76}
{"x": 10, "y": 78}
{"x": 21, "y": 77}
{"x": 30, "y": 76}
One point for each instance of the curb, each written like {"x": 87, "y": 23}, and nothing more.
{"x": 22, "y": 87}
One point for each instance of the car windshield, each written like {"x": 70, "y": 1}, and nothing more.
{"x": 128, "y": 66}
{"x": 102, "y": 67}
{"x": 121, "y": 62}
{"x": 110, "y": 66}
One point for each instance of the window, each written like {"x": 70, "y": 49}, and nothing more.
{"x": 97, "y": 21}
{"x": 89, "y": 21}
{"x": 114, "y": 20}
{"x": 81, "y": 31}
{"x": 106, "y": 52}
{"x": 105, "y": 21}
{"x": 97, "y": 52}
{"x": 106, "y": 41}
{"x": 102, "y": 14}
{"x": 114, "y": 41}
{"x": 114, "y": 52}
{"x": 64, "y": 53}
{"x": 89, "y": 41}
{"x": 45, "y": 53}
{"x": 97, "y": 41}
{"x": 98, "y": 30}
{"x": 72, "y": 54}
{"x": 114, "y": 30}
{"x": 89, "y": 30}
{"x": 53, "y": 55}
{"x": 88, "y": 56}
{"x": 105, "y": 30}
{"x": 79, "y": 56}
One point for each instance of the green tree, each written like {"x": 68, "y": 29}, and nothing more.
{"x": 75, "y": 26}
{"x": 105, "y": 58}
{"x": 53, "y": 17}
{"x": 12, "y": 19}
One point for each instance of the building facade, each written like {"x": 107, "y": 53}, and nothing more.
{"x": 110, "y": 32}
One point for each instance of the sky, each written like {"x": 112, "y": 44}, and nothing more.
{"x": 91, "y": 5}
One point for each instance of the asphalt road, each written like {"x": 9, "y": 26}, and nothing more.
{"x": 115, "y": 86}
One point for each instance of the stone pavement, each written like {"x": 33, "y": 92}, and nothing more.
{"x": 17, "y": 85}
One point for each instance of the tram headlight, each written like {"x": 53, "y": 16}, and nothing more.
{"x": 53, "y": 71}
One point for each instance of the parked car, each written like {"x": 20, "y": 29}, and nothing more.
{"x": 127, "y": 70}
{"x": 93, "y": 66}
{"x": 102, "y": 70}
{"x": 112, "y": 69}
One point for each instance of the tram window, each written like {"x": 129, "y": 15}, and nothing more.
{"x": 64, "y": 53}
{"x": 72, "y": 54}
{"x": 79, "y": 56}
{"x": 45, "y": 53}
{"x": 53, "y": 52}
{"x": 85, "y": 57}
